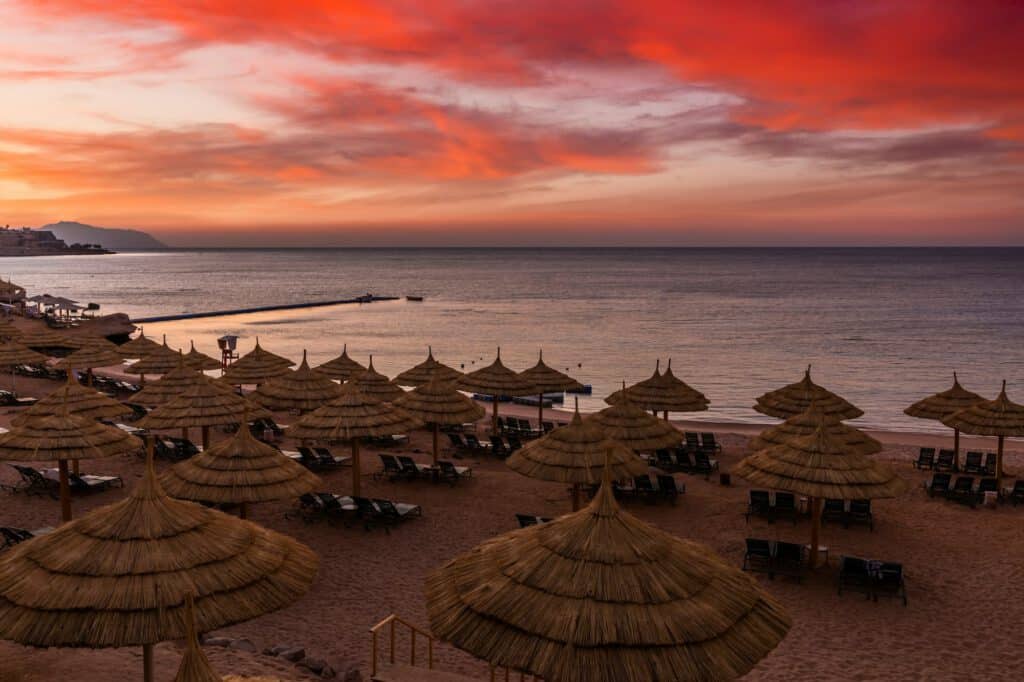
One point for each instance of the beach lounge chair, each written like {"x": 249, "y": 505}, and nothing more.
{"x": 709, "y": 444}
{"x": 758, "y": 556}
{"x": 785, "y": 506}
{"x": 987, "y": 485}
{"x": 526, "y": 520}
{"x": 392, "y": 513}
{"x": 946, "y": 461}
{"x": 309, "y": 508}
{"x": 548, "y": 427}
{"x": 663, "y": 460}
{"x": 854, "y": 576}
{"x": 327, "y": 458}
{"x": 925, "y": 459}
{"x": 702, "y": 464}
{"x": 12, "y": 536}
{"x": 474, "y": 443}
{"x": 498, "y": 448}
{"x": 447, "y": 471}
{"x": 683, "y": 461}
{"x": 990, "y": 464}
{"x": 33, "y": 482}
{"x": 889, "y": 582}
{"x": 972, "y": 463}
{"x": 759, "y": 504}
{"x": 963, "y": 491}
{"x": 88, "y": 483}
{"x": 860, "y": 512}
{"x": 513, "y": 442}
{"x": 1016, "y": 495}
{"x": 391, "y": 468}
{"x": 938, "y": 485}
{"x": 692, "y": 441}
{"x": 834, "y": 511}
{"x": 411, "y": 468}
{"x": 503, "y": 426}
{"x": 456, "y": 440}
{"x": 789, "y": 560}
{"x": 309, "y": 459}
{"x": 642, "y": 486}
{"x": 669, "y": 488}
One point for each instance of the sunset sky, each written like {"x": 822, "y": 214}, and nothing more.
{"x": 517, "y": 122}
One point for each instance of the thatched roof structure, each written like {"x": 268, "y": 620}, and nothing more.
{"x": 427, "y": 371}
{"x": 204, "y": 404}
{"x": 8, "y": 330}
{"x": 76, "y": 400}
{"x": 439, "y": 402}
{"x": 200, "y": 361}
{"x": 9, "y": 291}
{"x": 238, "y": 470}
{"x": 159, "y": 360}
{"x": 195, "y": 666}
{"x": 256, "y": 367}
{"x": 13, "y": 353}
{"x": 353, "y": 415}
{"x": 806, "y": 423}
{"x": 44, "y": 337}
{"x": 636, "y": 428}
{"x": 342, "y": 367}
{"x": 94, "y": 352}
{"x": 496, "y": 379}
{"x": 139, "y": 347}
{"x": 822, "y": 466}
{"x": 663, "y": 393}
{"x": 576, "y": 453}
{"x": 545, "y": 379}
{"x": 375, "y": 385}
{"x": 600, "y": 596}
{"x": 171, "y": 385}
{"x": 118, "y": 575}
{"x": 50, "y": 438}
{"x": 303, "y": 389}
{"x": 793, "y": 399}
{"x": 944, "y": 404}
{"x": 999, "y": 417}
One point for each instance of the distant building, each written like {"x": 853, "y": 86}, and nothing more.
{"x": 28, "y": 242}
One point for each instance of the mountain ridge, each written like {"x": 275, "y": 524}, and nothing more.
{"x": 74, "y": 232}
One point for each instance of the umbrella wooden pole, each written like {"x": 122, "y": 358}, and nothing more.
{"x": 494, "y": 416}
{"x": 184, "y": 433}
{"x": 206, "y": 434}
{"x": 356, "y": 475}
{"x": 88, "y": 377}
{"x": 74, "y": 467}
{"x": 816, "y": 504}
{"x": 147, "y": 663}
{"x": 999, "y": 460}
{"x": 243, "y": 510}
{"x": 956, "y": 449}
{"x": 665, "y": 415}
{"x": 437, "y": 429}
{"x": 575, "y": 496}
{"x": 65, "y": 491}
{"x": 540, "y": 412}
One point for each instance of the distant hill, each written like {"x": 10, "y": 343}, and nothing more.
{"x": 109, "y": 238}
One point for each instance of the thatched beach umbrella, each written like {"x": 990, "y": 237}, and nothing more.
{"x": 118, "y": 576}
{"x": 546, "y": 379}
{"x": 1001, "y": 418}
{"x": 820, "y": 466}
{"x": 303, "y": 389}
{"x": 375, "y": 385}
{"x": 205, "y": 404}
{"x": 160, "y": 360}
{"x": 427, "y": 371}
{"x": 497, "y": 381}
{"x": 943, "y": 405}
{"x": 576, "y": 454}
{"x": 93, "y": 353}
{"x": 39, "y": 337}
{"x": 200, "y": 361}
{"x": 806, "y": 423}
{"x": 600, "y": 596}
{"x": 76, "y": 400}
{"x": 44, "y": 438}
{"x": 350, "y": 417}
{"x": 438, "y": 403}
{"x": 13, "y": 353}
{"x": 256, "y": 367}
{"x": 795, "y": 398}
{"x": 341, "y": 368}
{"x": 635, "y": 428}
{"x": 171, "y": 385}
{"x": 663, "y": 393}
{"x": 194, "y": 666}
{"x": 238, "y": 470}
{"x": 8, "y": 331}
{"x": 139, "y": 347}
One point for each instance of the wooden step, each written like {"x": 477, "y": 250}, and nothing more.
{"x": 408, "y": 673}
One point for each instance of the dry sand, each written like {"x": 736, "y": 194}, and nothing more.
{"x": 964, "y": 572}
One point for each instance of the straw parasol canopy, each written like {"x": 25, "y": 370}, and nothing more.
{"x": 439, "y": 403}
{"x": 600, "y": 596}
{"x": 95, "y": 352}
{"x": 76, "y": 400}
{"x": 44, "y": 337}
{"x": 302, "y": 389}
{"x": 820, "y": 466}
{"x": 139, "y": 347}
{"x": 10, "y": 292}
{"x": 1000, "y": 417}
{"x": 635, "y": 428}
{"x": 256, "y": 367}
{"x": 375, "y": 385}
{"x": 117, "y": 576}
{"x": 427, "y": 371}
{"x": 942, "y": 405}
{"x": 795, "y": 398}
{"x": 806, "y": 423}
{"x": 496, "y": 380}
{"x": 48, "y": 438}
{"x": 342, "y": 367}
{"x": 159, "y": 360}
{"x": 195, "y": 666}
{"x": 200, "y": 361}
{"x": 205, "y": 404}
{"x": 238, "y": 470}
{"x": 663, "y": 393}
{"x": 576, "y": 454}
{"x": 13, "y": 353}
{"x": 172, "y": 384}
{"x": 8, "y": 330}
{"x": 546, "y": 379}
{"x": 349, "y": 417}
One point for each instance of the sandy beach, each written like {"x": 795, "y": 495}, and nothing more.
{"x": 962, "y": 567}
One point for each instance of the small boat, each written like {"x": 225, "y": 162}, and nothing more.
{"x": 586, "y": 390}
{"x": 416, "y": 299}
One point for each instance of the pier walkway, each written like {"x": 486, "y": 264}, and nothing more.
{"x": 262, "y": 309}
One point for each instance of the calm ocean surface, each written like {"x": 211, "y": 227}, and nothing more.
{"x": 883, "y": 327}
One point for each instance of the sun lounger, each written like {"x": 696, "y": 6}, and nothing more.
{"x": 692, "y": 441}
{"x": 1016, "y": 494}
{"x": 328, "y": 459}
{"x": 548, "y": 427}
{"x": 946, "y": 461}
{"x": 498, "y": 447}
{"x": 526, "y": 520}
{"x": 834, "y": 511}
{"x": 759, "y": 504}
{"x": 447, "y": 471}
{"x": 475, "y": 445}
{"x": 642, "y": 486}
{"x": 411, "y": 468}
{"x": 708, "y": 443}
{"x": 987, "y": 485}
{"x": 663, "y": 460}
{"x": 990, "y": 464}
{"x": 854, "y": 576}
{"x": 33, "y": 482}
{"x": 702, "y": 464}
{"x": 963, "y": 491}
{"x": 669, "y": 488}
{"x": 682, "y": 458}
{"x": 972, "y": 463}
{"x": 513, "y": 442}
{"x": 785, "y": 506}
{"x": 889, "y": 582}
{"x": 384, "y": 512}
{"x": 392, "y": 469}
{"x": 938, "y": 485}
{"x": 860, "y": 512}
{"x": 790, "y": 560}
{"x": 758, "y": 556}
{"x": 925, "y": 459}
{"x": 12, "y": 536}
{"x": 89, "y": 483}
{"x": 456, "y": 440}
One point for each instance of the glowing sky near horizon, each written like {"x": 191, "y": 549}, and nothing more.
{"x": 515, "y": 122}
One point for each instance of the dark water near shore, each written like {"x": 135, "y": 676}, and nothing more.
{"x": 883, "y": 327}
